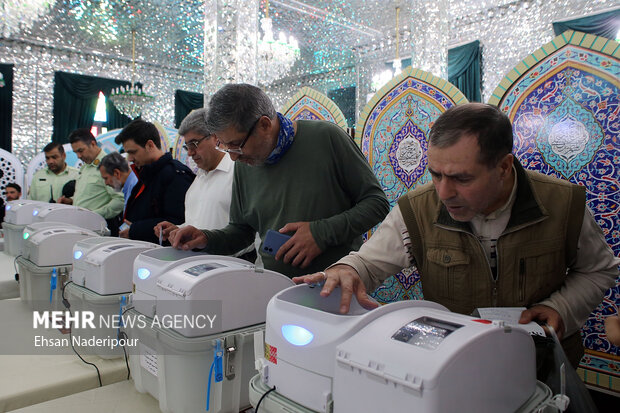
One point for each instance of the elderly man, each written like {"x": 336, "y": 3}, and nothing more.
{"x": 47, "y": 183}
{"x": 90, "y": 190}
{"x": 207, "y": 201}
{"x": 487, "y": 233}
{"x": 162, "y": 182}
{"x": 116, "y": 173}
{"x": 306, "y": 179}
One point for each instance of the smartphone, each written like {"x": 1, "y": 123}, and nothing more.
{"x": 273, "y": 241}
{"x": 123, "y": 227}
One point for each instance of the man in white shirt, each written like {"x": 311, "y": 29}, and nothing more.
{"x": 207, "y": 201}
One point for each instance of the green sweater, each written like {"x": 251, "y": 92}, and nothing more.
{"x": 324, "y": 179}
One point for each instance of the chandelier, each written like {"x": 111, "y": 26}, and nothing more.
{"x": 397, "y": 65}
{"x": 275, "y": 57}
{"x": 380, "y": 79}
{"x": 131, "y": 100}
{"x": 16, "y": 15}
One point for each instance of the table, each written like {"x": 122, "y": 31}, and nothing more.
{"x": 121, "y": 397}
{"x": 31, "y": 374}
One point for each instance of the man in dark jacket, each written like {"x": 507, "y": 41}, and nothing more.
{"x": 159, "y": 194}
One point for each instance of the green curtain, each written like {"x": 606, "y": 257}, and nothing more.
{"x": 604, "y": 24}
{"x": 75, "y": 102}
{"x": 6, "y": 106}
{"x": 184, "y": 103}
{"x": 345, "y": 99}
{"x": 464, "y": 69}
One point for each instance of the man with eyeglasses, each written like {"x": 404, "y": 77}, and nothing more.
{"x": 207, "y": 201}
{"x": 162, "y": 182}
{"x": 306, "y": 179}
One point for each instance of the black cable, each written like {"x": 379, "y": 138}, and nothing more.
{"x": 127, "y": 309}
{"x": 15, "y": 267}
{"x": 122, "y": 334}
{"x": 68, "y": 306}
{"x": 262, "y": 397}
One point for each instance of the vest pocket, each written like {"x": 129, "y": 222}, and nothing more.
{"x": 446, "y": 275}
{"x": 540, "y": 273}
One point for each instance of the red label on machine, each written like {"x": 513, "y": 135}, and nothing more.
{"x": 271, "y": 353}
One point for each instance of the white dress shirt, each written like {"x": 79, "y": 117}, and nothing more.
{"x": 207, "y": 201}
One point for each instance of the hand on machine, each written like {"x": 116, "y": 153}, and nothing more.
{"x": 340, "y": 276}
{"x": 164, "y": 229}
{"x": 187, "y": 238}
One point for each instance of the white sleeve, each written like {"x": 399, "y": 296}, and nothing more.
{"x": 384, "y": 254}
{"x": 594, "y": 271}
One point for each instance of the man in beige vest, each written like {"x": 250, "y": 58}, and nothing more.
{"x": 487, "y": 233}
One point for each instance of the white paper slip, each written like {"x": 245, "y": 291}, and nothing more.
{"x": 511, "y": 316}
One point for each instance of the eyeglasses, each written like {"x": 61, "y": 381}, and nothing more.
{"x": 194, "y": 144}
{"x": 225, "y": 147}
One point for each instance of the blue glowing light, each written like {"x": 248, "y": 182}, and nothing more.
{"x": 26, "y": 235}
{"x": 143, "y": 273}
{"x": 77, "y": 254}
{"x": 8, "y": 207}
{"x": 297, "y": 336}
{"x": 35, "y": 212}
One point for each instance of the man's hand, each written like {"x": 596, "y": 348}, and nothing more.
{"x": 64, "y": 200}
{"x": 546, "y": 315}
{"x": 612, "y": 329}
{"x": 166, "y": 228}
{"x": 301, "y": 249}
{"x": 342, "y": 276}
{"x": 187, "y": 238}
{"x": 124, "y": 233}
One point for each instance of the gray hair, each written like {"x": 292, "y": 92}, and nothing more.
{"x": 112, "y": 161}
{"x": 488, "y": 123}
{"x": 195, "y": 122}
{"x": 239, "y": 106}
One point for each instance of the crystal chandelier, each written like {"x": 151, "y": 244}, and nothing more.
{"x": 397, "y": 64}
{"x": 380, "y": 79}
{"x": 131, "y": 100}
{"x": 16, "y": 15}
{"x": 275, "y": 57}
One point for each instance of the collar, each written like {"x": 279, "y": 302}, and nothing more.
{"x": 49, "y": 171}
{"x": 95, "y": 162}
{"x": 525, "y": 206}
{"x": 148, "y": 171}
{"x": 224, "y": 165}
{"x": 98, "y": 159}
{"x": 286, "y": 135}
{"x": 507, "y": 204}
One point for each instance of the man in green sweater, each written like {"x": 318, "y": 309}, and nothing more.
{"x": 306, "y": 179}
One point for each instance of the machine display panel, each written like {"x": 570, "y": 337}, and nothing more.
{"x": 196, "y": 270}
{"x": 117, "y": 247}
{"x": 168, "y": 254}
{"x": 425, "y": 332}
